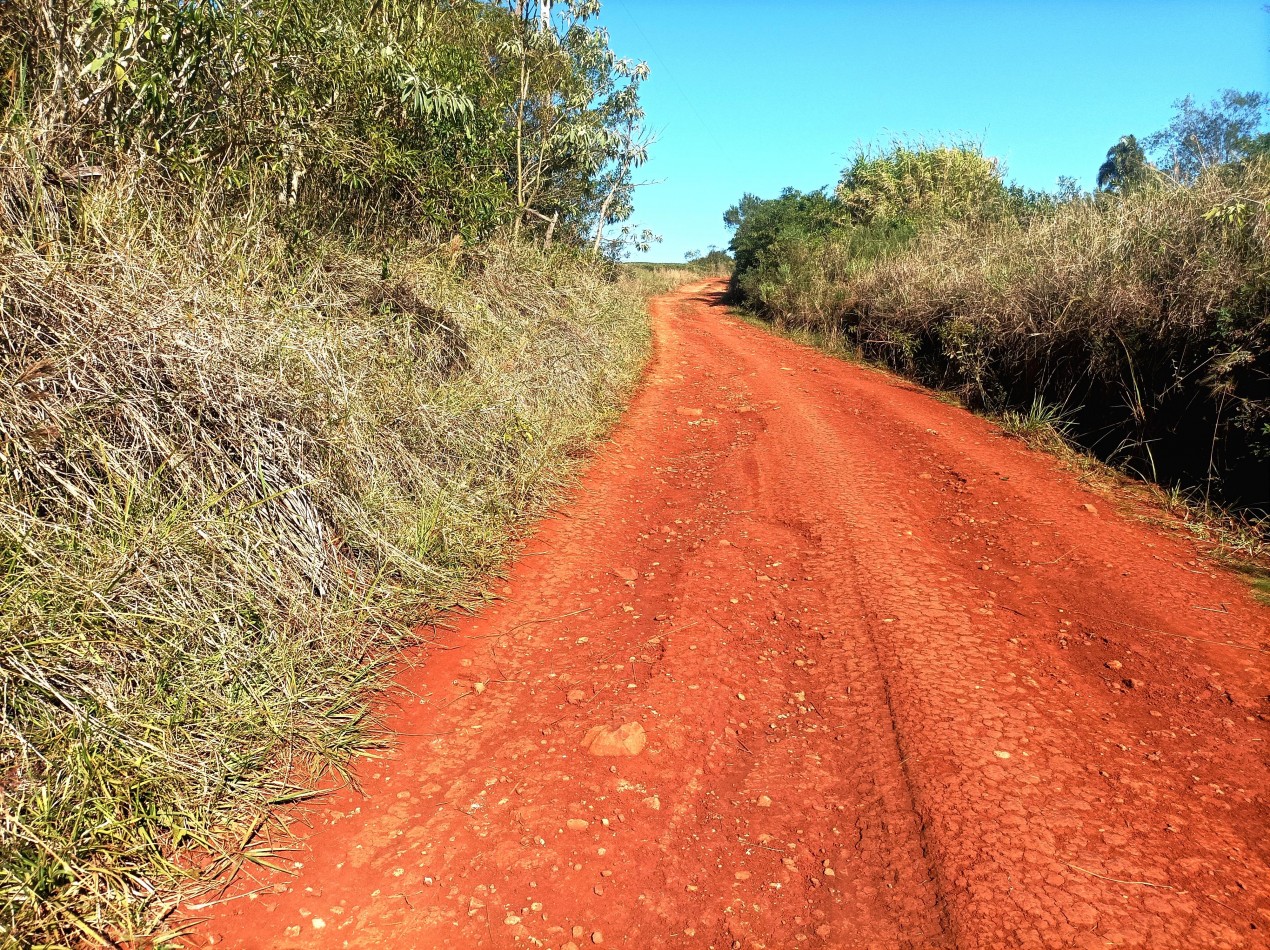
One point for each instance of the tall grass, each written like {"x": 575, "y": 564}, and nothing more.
{"x": 652, "y": 279}
{"x": 234, "y": 471}
{"x": 1145, "y": 317}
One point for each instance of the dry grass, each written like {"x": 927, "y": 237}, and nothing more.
{"x": 1144, "y": 316}
{"x": 651, "y": 280}
{"x": 230, "y": 475}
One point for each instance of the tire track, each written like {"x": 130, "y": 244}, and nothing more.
{"x": 863, "y": 635}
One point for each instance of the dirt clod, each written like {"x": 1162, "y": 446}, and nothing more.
{"x": 626, "y": 740}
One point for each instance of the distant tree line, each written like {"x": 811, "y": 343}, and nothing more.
{"x": 1230, "y": 129}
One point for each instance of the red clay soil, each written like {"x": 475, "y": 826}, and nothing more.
{"x": 901, "y": 681}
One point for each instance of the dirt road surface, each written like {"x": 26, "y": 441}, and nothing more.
{"x": 889, "y": 678}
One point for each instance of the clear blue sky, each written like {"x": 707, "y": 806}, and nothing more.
{"x": 756, "y": 96}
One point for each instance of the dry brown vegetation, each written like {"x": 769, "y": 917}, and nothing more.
{"x": 232, "y": 477}
{"x": 1142, "y": 319}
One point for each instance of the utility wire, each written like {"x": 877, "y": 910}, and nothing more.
{"x": 661, "y": 64}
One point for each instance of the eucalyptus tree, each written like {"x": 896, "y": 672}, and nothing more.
{"x": 456, "y": 115}
{"x": 576, "y": 121}
{"x": 1200, "y": 137}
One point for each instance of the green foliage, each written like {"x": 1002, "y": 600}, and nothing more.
{"x": 1126, "y": 167}
{"x": 763, "y": 228}
{"x": 927, "y": 184}
{"x": 1230, "y": 128}
{"x": 455, "y": 114}
{"x": 881, "y": 205}
{"x": 713, "y": 261}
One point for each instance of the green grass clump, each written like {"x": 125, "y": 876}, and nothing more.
{"x": 232, "y": 475}
{"x": 1040, "y": 425}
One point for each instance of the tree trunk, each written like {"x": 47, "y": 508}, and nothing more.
{"x": 604, "y": 208}
{"x": 599, "y": 225}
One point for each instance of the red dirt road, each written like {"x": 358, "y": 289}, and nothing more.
{"x": 900, "y": 687}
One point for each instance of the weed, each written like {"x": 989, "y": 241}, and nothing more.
{"x": 1041, "y": 425}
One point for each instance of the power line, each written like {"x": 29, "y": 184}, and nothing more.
{"x": 661, "y": 63}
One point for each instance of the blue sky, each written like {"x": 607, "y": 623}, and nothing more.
{"x": 756, "y": 96}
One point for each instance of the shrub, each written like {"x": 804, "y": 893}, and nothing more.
{"x": 1144, "y": 314}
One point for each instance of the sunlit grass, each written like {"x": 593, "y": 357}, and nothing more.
{"x": 231, "y": 481}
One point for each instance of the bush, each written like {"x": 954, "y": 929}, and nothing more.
{"x": 1143, "y": 314}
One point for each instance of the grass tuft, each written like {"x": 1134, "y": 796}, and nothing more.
{"x": 1041, "y": 425}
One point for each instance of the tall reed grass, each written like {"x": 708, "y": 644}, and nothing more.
{"x": 1146, "y": 317}
{"x": 235, "y": 470}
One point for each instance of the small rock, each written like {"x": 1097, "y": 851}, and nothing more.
{"x": 653, "y": 802}
{"x": 764, "y": 802}
{"x": 626, "y": 740}
{"x": 627, "y": 573}
{"x": 318, "y": 923}
{"x": 597, "y": 937}
{"x": 576, "y": 697}
{"x": 1114, "y": 664}
{"x": 577, "y": 824}
{"x": 742, "y": 875}
{"x": 511, "y": 920}
{"x": 1089, "y": 508}
{"x": 578, "y": 932}
{"x": 1131, "y": 683}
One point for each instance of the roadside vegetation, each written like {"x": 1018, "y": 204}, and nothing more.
{"x": 1133, "y": 321}
{"x": 303, "y": 311}
{"x": 658, "y": 277}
